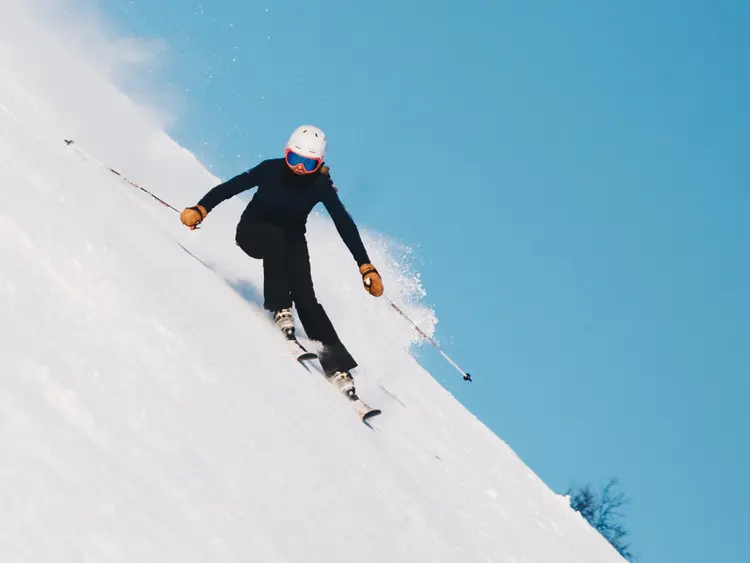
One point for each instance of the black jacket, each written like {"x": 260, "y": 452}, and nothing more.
{"x": 286, "y": 199}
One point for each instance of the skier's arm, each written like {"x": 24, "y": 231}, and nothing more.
{"x": 245, "y": 181}
{"x": 350, "y": 234}
{"x": 344, "y": 224}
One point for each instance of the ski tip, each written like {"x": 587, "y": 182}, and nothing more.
{"x": 369, "y": 414}
{"x": 307, "y": 356}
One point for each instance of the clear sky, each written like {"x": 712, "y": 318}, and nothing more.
{"x": 574, "y": 179}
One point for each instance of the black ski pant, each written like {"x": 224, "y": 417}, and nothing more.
{"x": 287, "y": 279}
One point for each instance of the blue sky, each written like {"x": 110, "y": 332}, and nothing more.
{"x": 572, "y": 179}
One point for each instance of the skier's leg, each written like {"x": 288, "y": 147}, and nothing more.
{"x": 334, "y": 357}
{"x": 267, "y": 242}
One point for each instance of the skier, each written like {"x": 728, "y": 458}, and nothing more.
{"x": 272, "y": 228}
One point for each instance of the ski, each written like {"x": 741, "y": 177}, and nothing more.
{"x": 300, "y": 353}
{"x": 363, "y": 410}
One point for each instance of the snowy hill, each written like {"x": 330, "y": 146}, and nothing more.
{"x": 150, "y": 413}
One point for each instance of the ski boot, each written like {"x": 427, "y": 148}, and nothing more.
{"x": 285, "y": 321}
{"x": 344, "y": 382}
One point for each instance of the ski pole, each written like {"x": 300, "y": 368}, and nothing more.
{"x": 135, "y": 185}
{"x": 466, "y": 375}
{"x": 123, "y": 178}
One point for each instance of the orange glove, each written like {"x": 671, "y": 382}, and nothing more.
{"x": 193, "y": 216}
{"x": 371, "y": 279}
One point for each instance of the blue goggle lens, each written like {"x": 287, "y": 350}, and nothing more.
{"x": 310, "y": 164}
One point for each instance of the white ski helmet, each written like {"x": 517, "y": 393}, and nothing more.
{"x": 308, "y": 140}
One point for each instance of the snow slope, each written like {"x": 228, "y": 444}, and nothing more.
{"x": 148, "y": 411}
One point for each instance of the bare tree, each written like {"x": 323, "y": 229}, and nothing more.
{"x": 603, "y": 510}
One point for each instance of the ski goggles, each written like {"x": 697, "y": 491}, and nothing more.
{"x": 308, "y": 163}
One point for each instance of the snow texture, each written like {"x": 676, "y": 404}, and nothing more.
{"x": 150, "y": 413}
